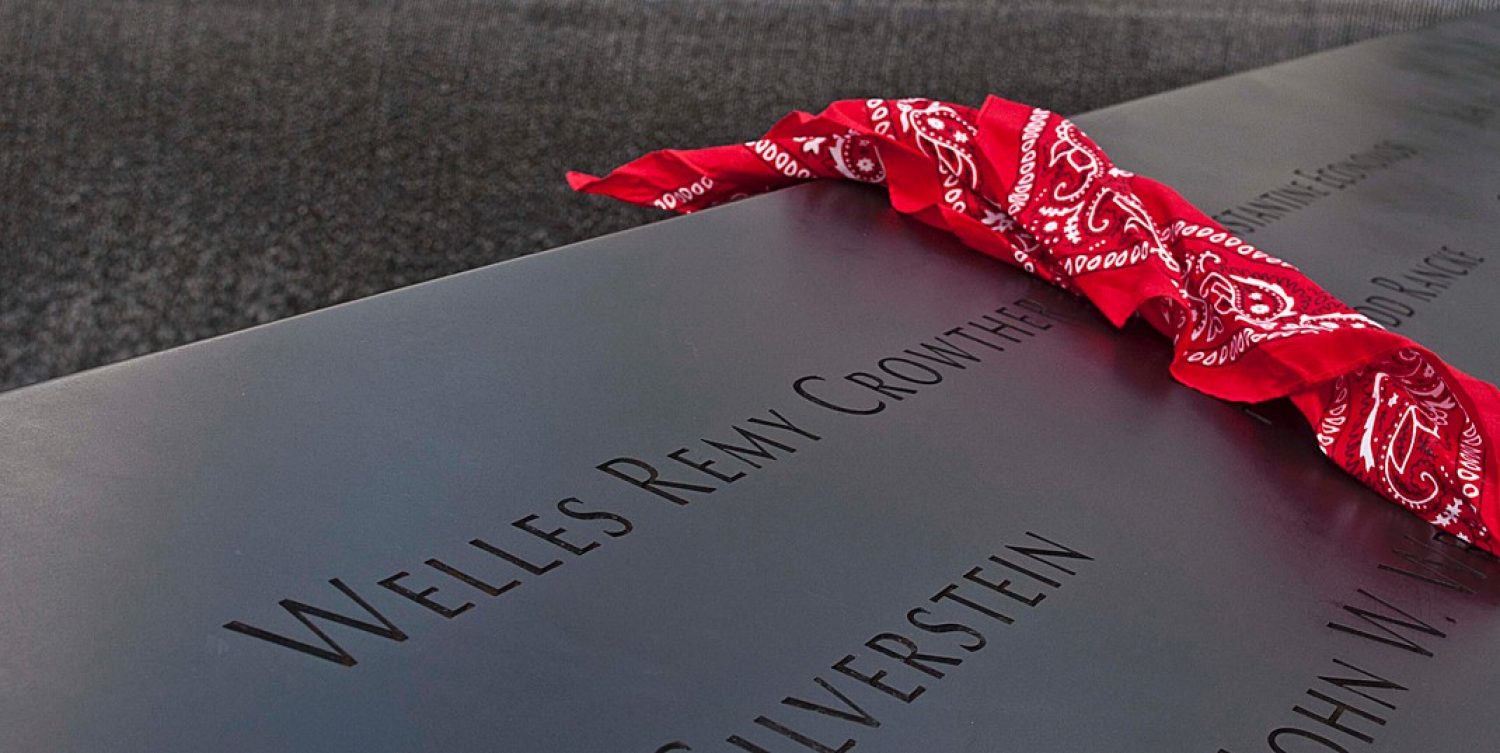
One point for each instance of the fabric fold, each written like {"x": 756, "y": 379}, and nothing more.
{"x": 1026, "y": 186}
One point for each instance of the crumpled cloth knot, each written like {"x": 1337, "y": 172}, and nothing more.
{"x": 1026, "y": 186}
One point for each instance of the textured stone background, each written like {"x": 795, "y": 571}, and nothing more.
{"x": 175, "y": 170}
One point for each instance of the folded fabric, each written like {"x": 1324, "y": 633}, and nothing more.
{"x": 1026, "y": 186}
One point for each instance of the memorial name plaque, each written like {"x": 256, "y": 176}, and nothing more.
{"x": 796, "y": 474}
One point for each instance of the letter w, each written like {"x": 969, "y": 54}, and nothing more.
{"x": 947, "y": 353}
{"x": 304, "y": 613}
{"x": 1431, "y": 570}
{"x": 1396, "y": 639}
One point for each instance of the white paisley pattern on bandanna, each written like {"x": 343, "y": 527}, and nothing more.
{"x": 1026, "y": 186}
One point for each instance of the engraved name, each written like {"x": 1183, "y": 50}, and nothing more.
{"x": 1350, "y": 702}
{"x": 462, "y": 576}
{"x": 1309, "y": 186}
{"x": 1405, "y": 292}
{"x": 900, "y": 665}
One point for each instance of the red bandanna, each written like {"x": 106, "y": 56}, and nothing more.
{"x": 1026, "y": 186}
